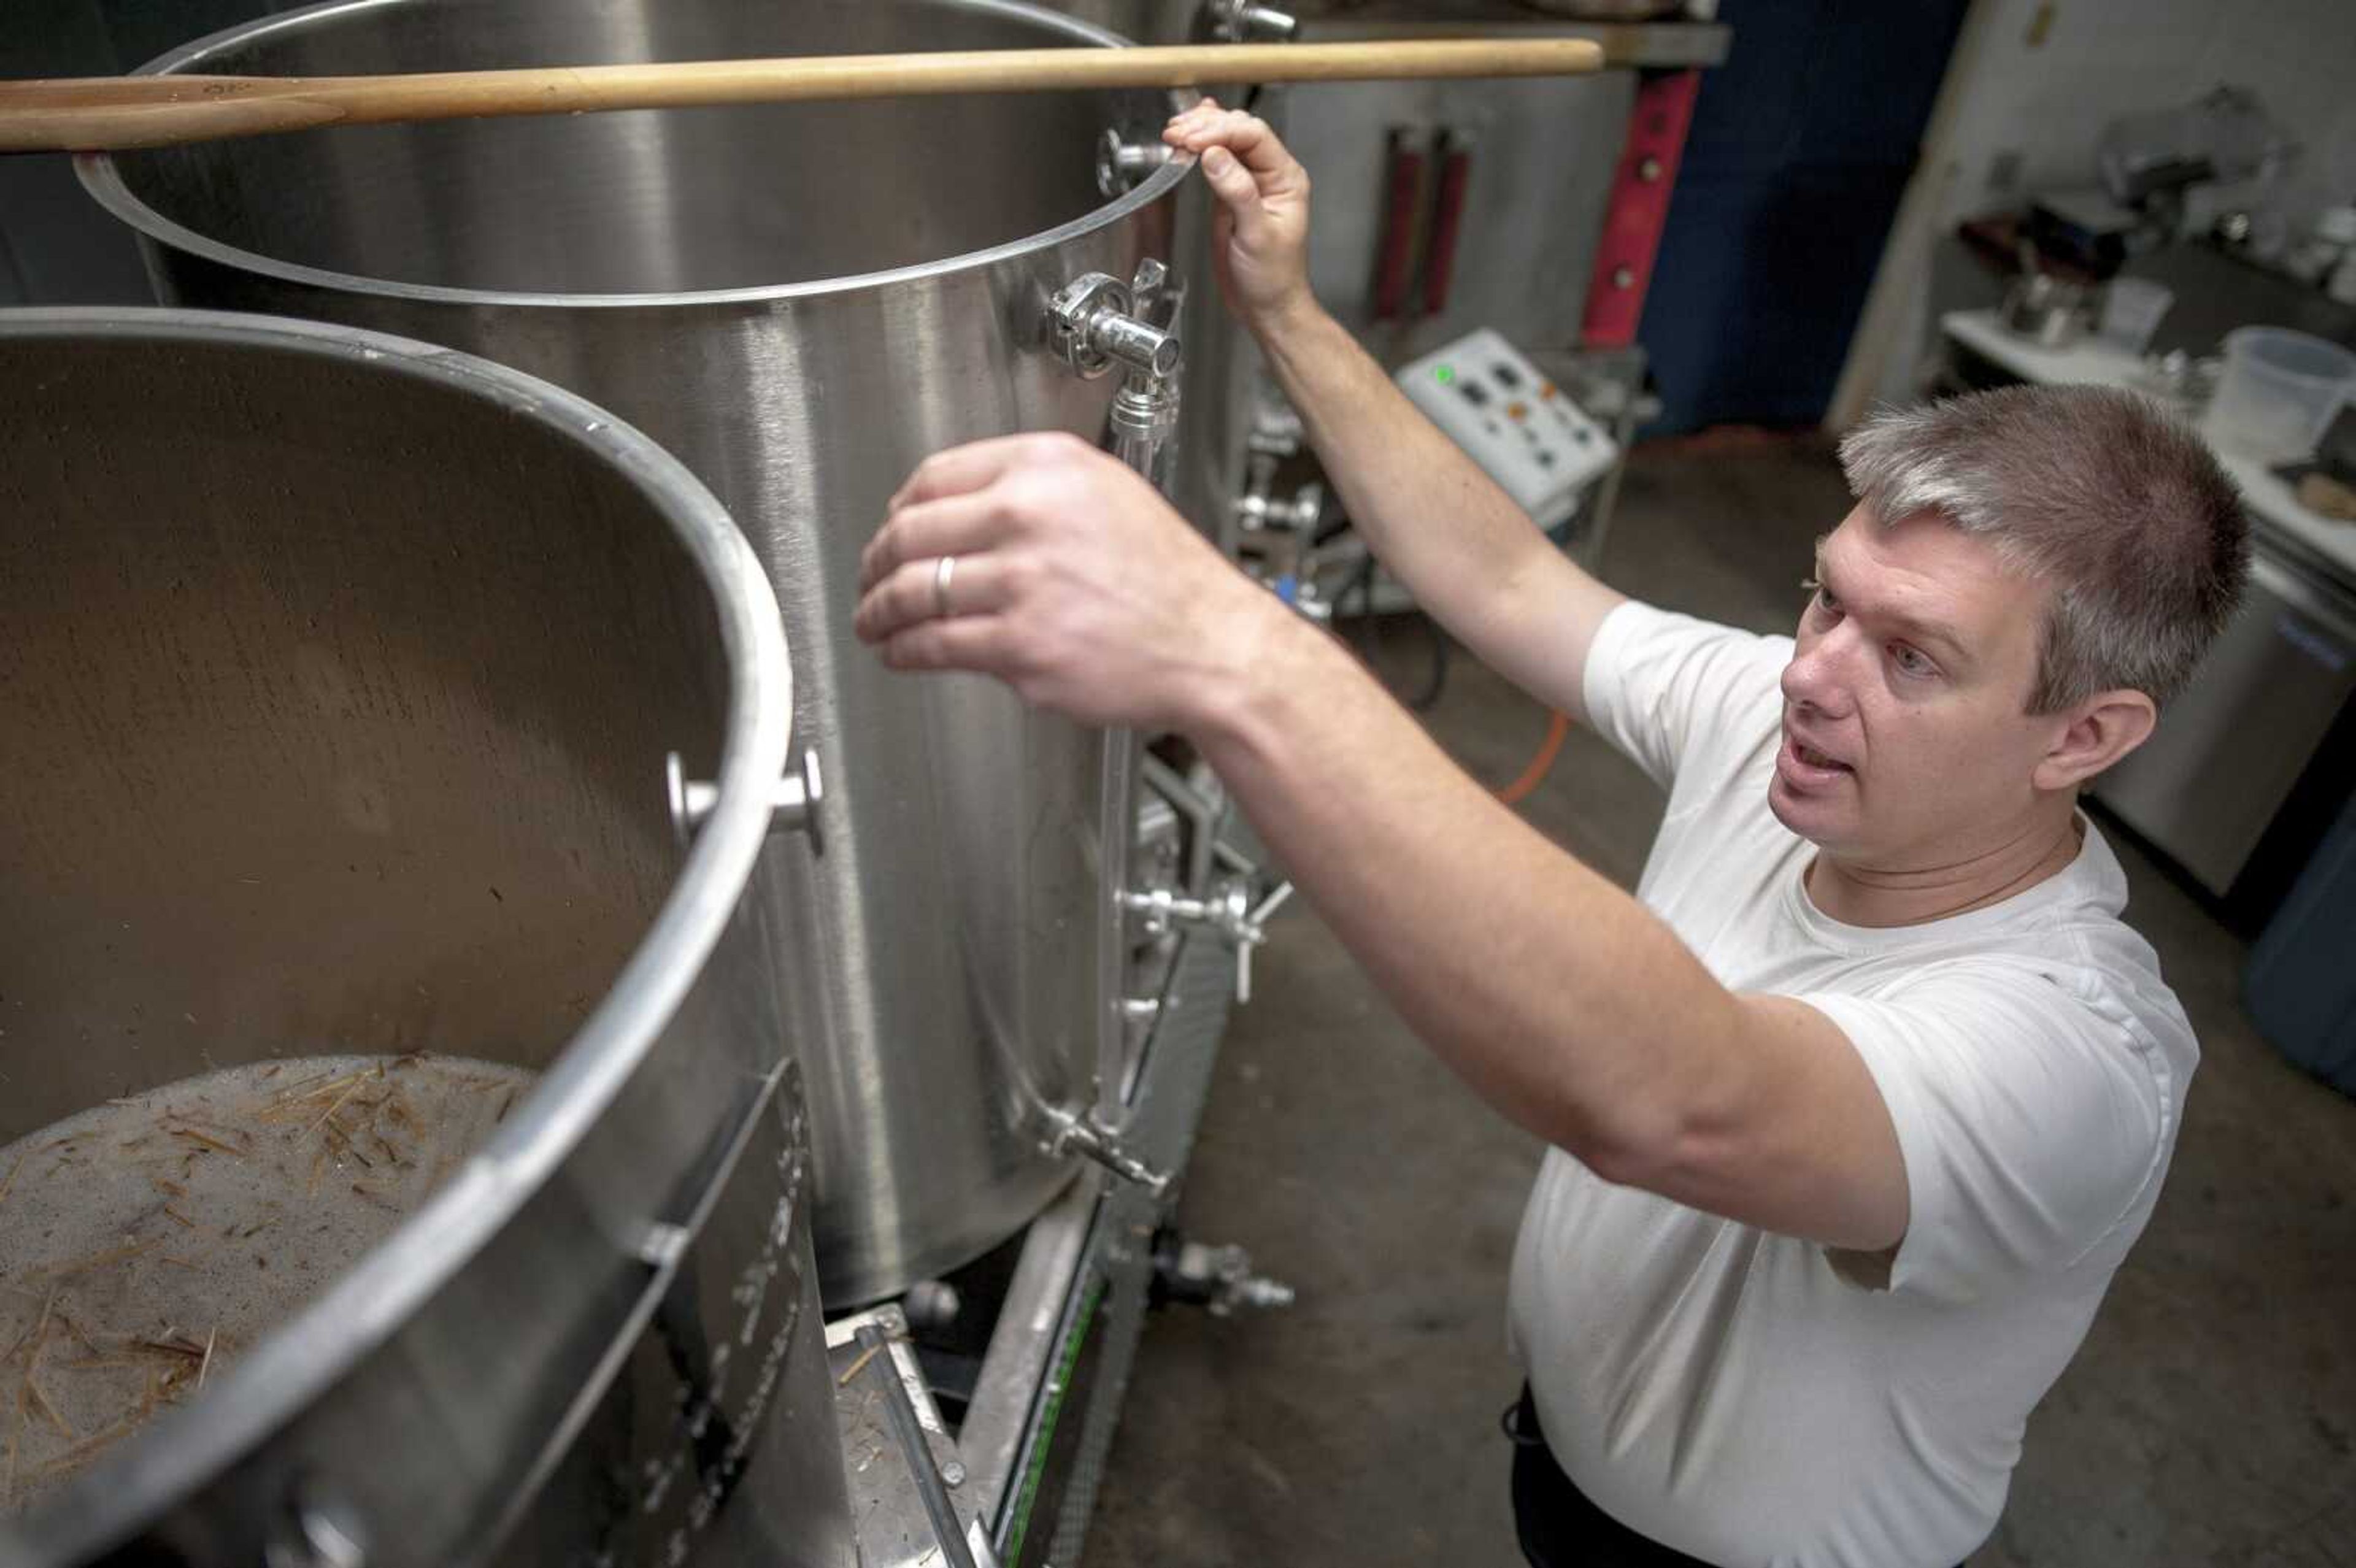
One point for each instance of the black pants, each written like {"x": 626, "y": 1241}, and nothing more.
{"x": 1558, "y": 1526}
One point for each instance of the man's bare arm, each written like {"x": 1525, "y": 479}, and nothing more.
{"x": 1442, "y": 527}
{"x": 1562, "y": 1001}
{"x": 1567, "y": 1005}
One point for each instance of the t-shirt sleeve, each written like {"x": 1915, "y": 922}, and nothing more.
{"x": 2029, "y": 1122}
{"x": 1657, "y": 683}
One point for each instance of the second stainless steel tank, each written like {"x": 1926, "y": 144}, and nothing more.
{"x": 801, "y": 302}
{"x": 405, "y": 1136}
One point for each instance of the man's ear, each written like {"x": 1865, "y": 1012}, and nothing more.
{"x": 2100, "y": 730}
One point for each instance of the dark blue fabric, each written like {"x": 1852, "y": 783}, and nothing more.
{"x": 1801, "y": 147}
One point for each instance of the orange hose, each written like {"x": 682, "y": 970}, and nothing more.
{"x": 1535, "y": 774}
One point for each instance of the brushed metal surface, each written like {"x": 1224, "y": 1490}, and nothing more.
{"x": 2206, "y": 787}
{"x": 1143, "y": 21}
{"x": 801, "y": 302}
{"x": 340, "y": 675}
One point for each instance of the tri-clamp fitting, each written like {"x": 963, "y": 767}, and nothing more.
{"x": 1096, "y": 322}
{"x": 1243, "y": 22}
{"x": 1094, "y": 325}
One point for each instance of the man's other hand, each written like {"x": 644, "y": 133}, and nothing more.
{"x": 1071, "y": 580}
{"x": 1260, "y": 225}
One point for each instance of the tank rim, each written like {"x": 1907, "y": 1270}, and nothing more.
{"x": 131, "y": 1488}
{"x": 102, "y": 178}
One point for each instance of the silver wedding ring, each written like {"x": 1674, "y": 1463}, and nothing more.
{"x": 944, "y": 569}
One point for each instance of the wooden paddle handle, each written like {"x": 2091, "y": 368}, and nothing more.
{"x": 112, "y": 114}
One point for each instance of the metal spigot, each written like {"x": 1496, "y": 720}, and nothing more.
{"x": 1257, "y": 509}
{"x": 1070, "y": 1133}
{"x": 1242, "y": 22}
{"x": 1227, "y": 911}
{"x": 1094, "y": 325}
{"x": 793, "y": 800}
{"x": 1096, "y": 322}
{"x": 1218, "y": 1279}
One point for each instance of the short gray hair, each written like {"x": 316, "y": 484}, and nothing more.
{"x": 2100, "y": 493}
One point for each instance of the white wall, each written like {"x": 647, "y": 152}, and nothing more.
{"x": 2047, "y": 101}
{"x": 2031, "y": 88}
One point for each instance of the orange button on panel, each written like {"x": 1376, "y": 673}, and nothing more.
{"x": 1517, "y": 410}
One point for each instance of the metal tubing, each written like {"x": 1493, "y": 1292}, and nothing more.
{"x": 939, "y": 1511}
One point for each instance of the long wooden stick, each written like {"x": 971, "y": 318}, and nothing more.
{"x": 112, "y": 114}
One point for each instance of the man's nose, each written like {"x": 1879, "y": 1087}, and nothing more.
{"x": 1819, "y": 675}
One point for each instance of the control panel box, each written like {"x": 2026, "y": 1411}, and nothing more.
{"x": 1523, "y": 429}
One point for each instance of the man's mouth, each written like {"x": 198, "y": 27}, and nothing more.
{"x": 1803, "y": 765}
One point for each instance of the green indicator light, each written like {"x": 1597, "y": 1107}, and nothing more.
{"x": 1443, "y": 375}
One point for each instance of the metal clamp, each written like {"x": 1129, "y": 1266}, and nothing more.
{"x": 1093, "y": 324}
{"x": 1096, "y": 322}
{"x": 1227, "y": 911}
{"x": 1241, "y": 21}
{"x": 1122, "y": 165}
{"x": 793, "y": 800}
{"x": 1069, "y": 1132}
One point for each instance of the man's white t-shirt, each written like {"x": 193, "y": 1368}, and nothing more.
{"x": 1749, "y": 1397}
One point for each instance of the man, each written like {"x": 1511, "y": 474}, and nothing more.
{"x": 1857, "y": 1105}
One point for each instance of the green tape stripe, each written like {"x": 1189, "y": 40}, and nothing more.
{"x": 1036, "y": 1472}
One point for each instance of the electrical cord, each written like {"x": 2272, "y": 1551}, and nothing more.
{"x": 1558, "y": 730}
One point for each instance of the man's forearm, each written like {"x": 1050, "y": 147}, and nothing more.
{"x": 1563, "y": 1002}
{"x": 1567, "y": 1005}
{"x": 1428, "y": 511}
{"x": 1470, "y": 556}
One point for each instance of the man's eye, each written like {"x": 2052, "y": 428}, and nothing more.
{"x": 1912, "y": 661}
{"x": 1823, "y": 595}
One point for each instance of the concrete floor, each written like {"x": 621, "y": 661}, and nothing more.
{"x": 2211, "y": 1417}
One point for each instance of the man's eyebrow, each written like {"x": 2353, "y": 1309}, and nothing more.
{"x": 1933, "y": 632}
{"x": 1914, "y": 627}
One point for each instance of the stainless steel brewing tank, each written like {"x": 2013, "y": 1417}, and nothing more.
{"x": 801, "y": 302}
{"x": 340, "y": 676}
